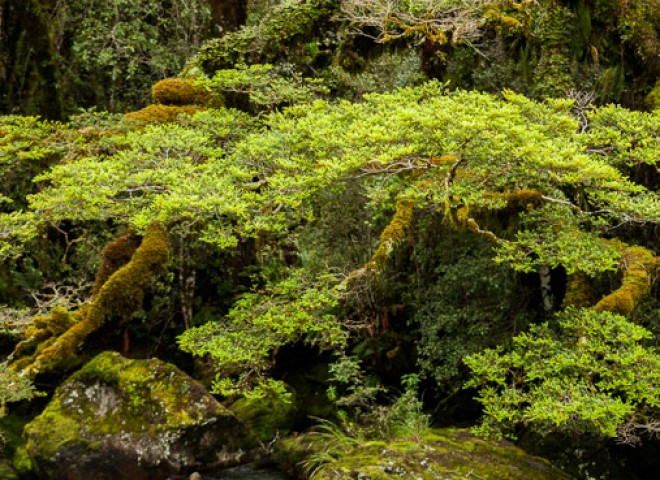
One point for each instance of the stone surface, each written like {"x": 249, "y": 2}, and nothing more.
{"x": 132, "y": 419}
{"x": 447, "y": 454}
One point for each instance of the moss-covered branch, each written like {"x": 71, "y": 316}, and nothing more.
{"x": 638, "y": 265}
{"x": 120, "y": 295}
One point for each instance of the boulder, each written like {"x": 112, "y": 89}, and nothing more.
{"x": 267, "y": 417}
{"x": 132, "y": 419}
{"x": 448, "y": 454}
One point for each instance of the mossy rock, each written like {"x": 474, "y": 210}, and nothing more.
{"x": 132, "y": 419}
{"x": 653, "y": 98}
{"x": 268, "y": 416}
{"x": 440, "y": 454}
{"x": 7, "y": 472}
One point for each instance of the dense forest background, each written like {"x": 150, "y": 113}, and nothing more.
{"x": 372, "y": 217}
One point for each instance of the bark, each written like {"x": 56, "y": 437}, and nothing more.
{"x": 29, "y": 80}
{"x": 228, "y": 15}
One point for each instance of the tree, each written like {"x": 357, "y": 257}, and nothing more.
{"x": 221, "y": 178}
{"x": 591, "y": 376}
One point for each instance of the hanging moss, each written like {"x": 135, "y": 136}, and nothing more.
{"x": 179, "y": 91}
{"x": 393, "y": 234}
{"x": 639, "y": 266}
{"x": 578, "y": 291}
{"x": 119, "y": 296}
{"x": 524, "y": 199}
{"x": 162, "y": 113}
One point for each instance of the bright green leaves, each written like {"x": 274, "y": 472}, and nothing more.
{"x": 625, "y": 137}
{"x": 243, "y": 344}
{"x": 554, "y": 235}
{"x": 266, "y": 86}
{"x": 13, "y": 387}
{"x": 594, "y": 376}
{"x": 177, "y": 174}
{"x": 221, "y": 176}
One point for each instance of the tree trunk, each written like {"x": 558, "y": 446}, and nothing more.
{"x": 29, "y": 80}
{"x": 228, "y": 15}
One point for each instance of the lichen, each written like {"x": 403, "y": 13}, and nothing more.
{"x": 638, "y": 266}
{"x": 119, "y": 296}
{"x": 179, "y": 91}
{"x": 162, "y": 113}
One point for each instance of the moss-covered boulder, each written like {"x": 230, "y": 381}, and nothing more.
{"x": 132, "y": 419}
{"x": 446, "y": 454}
{"x": 268, "y": 416}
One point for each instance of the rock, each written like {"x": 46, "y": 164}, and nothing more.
{"x": 440, "y": 454}
{"x": 132, "y": 419}
{"x": 267, "y": 416}
{"x": 7, "y": 472}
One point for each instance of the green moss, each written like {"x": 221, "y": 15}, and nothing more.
{"x": 578, "y": 290}
{"x": 393, "y": 234}
{"x": 136, "y": 399}
{"x": 262, "y": 42}
{"x": 266, "y": 416}
{"x": 653, "y": 98}
{"x": 447, "y": 454}
{"x": 179, "y": 91}
{"x": 55, "y": 427}
{"x": 162, "y": 113}
{"x": 639, "y": 266}
{"x": 7, "y": 472}
{"x": 119, "y": 296}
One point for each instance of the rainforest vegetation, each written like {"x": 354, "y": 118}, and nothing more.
{"x": 380, "y": 215}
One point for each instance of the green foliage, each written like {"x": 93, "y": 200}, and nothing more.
{"x": 592, "y": 376}
{"x": 464, "y": 302}
{"x": 513, "y": 171}
{"x": 627, "y": 138}
{"x": 266, "y": 86}
{"x": 260, "y": 43}
{"x": 13, "y": 387}
{"x": 242, "y": 344}
{"x": 28, "y": 146}
{"x": 125, "y": 46}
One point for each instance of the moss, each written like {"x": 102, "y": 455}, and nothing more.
{"x": 266, "y": 417}
{"x": 447, "y": 454}
{"x": 179, "y": 91}
{"x": 7, "y": 472}
{"x": 578, "y": 291}
{"x": 524, "y": 199}
{"x": 653, "y": 98}
{"x": 639, "y": 266}
{"x": 261, "y": 43}
{"x": 554, "y": 31}
{"x": 22, "y": 461}
{"x": 115, "y": 255}
{"x": 113, "y": 401}
{"x": 119, "y": 296}
{"x": 162, "y": 113}
{"x": 393, "y": 234}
